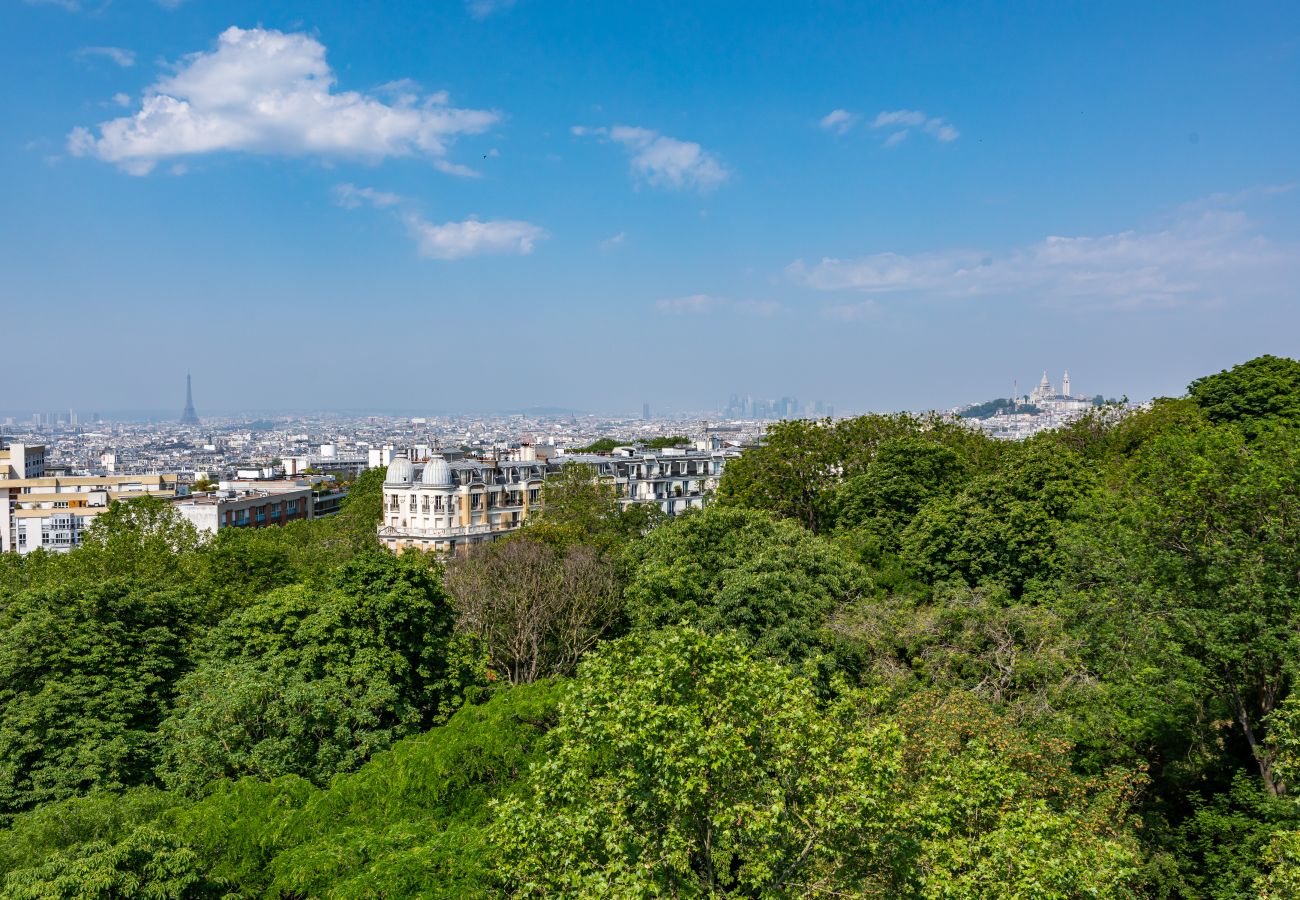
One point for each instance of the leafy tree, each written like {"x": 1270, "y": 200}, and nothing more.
{"x": 143, "y": 539}
{"x": 411, "y": 822}
{"x": 1263, "y": 391}
{"x": 310, "y": 683}
{"x": 795, "y": 470}
{"x": 787, "y": 474}
{"x": 905, "y": 474}
{"x": 145, "y": 865}
{"x": 536, "y": 609}
{"x": 603, "y": 445}
{"x": 34, "y": 837}
{"x": 668, "y": 440}
{"x": 1020, "y": 658}
{"x": 720, "y": 569}
{"x": 683, "y": 766}
{"x": 1222, "y": 845}
{"x": 579, "y": 508}
{"x": 1007, "y": 527}
{"x": 86, "y": 673}
{"x": 1203, "y": 542}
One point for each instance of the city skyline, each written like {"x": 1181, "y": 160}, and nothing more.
{"x": 884, "y": 209}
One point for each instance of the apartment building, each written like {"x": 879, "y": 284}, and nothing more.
{"x": 248, "y": 505}
{"x": 448, "y": 503}
{"x": 39, "y": 511}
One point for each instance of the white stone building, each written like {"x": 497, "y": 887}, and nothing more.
{"x": 446, "y": 504}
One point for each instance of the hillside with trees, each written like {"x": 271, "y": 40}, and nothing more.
{"x": 893, "y": 658}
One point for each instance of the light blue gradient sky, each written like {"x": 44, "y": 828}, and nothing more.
{"x": 623, "y": 202}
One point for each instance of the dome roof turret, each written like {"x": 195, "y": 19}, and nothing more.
{"x": 400, "y": 471}
{"x": 436, "y": 473}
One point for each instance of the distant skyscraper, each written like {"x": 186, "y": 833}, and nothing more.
{"x": 645, "y": 411}
{"x": 189, "y": 417}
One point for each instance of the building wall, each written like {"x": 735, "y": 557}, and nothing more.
{"x": 53, "y": 512}
{"x": 491, "y": 499}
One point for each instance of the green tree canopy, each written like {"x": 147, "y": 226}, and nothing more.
{"x": 684, "y": 766}
{"x": 312, "y": 682}
{"x": 86, "y": 674}
{"x": 721, "y": 568}
{"x": 1262, "y": 391}
{"x": 1008, "y": 526}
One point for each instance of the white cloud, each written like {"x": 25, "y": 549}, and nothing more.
{"x": 455, "y": 240}
{"x": 349, "y": 196}
{"x": 264, "y": 91}
{"x": 839, "y": 121}
{"x": 1200, "y": 257}
{"x": 663, "y": 161}
{"x": 124, "y": 58}
{"x": 610, "y": 243}
{"x": 902, "y": 121}
{"x": 700, "y": 304}
{"x": 122, "y": 99}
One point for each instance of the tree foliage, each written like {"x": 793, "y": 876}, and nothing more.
{"x": 733, "y": 569}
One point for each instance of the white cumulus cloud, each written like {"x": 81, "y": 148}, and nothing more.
{"x": 455, "y": 240}
{"x": 1201, "y": 256}
{"x": 265, "y": 91}
{"x": 901, "y": 122}
{"x": 663, "y": 161}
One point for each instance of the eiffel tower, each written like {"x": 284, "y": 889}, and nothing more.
{"x": 189, "y": 417}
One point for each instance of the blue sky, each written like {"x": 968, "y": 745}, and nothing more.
{"x": 485, "y": 205}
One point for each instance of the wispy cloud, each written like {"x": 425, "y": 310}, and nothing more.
{"x": 700, "y": 304}
{"x": 663, "y": 161}
{"x": 124, "y": 58}
{"x": 447, "y": 240}
{"x": 349, "y": 196}
{"x": 1201, "y": 256}
{"x": 901, "y": 122}
{"x": 265, "y": 91}
{"x": 613, "y": 241}
{"x": 472, "y": 237}
{"x": 840, "y": 121}
{"x": 481, "y": 9}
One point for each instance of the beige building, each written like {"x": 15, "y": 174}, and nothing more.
{"x": 50, "y": 513}
{"x": 445, "y": 505}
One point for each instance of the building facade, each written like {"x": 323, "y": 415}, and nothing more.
{"x": 448, "y": 504}
{"x": 39, "y": 511}
{"x": 248, "y": 506}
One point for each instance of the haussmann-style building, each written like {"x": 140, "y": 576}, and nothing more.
{"x": 448, "y": 502}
